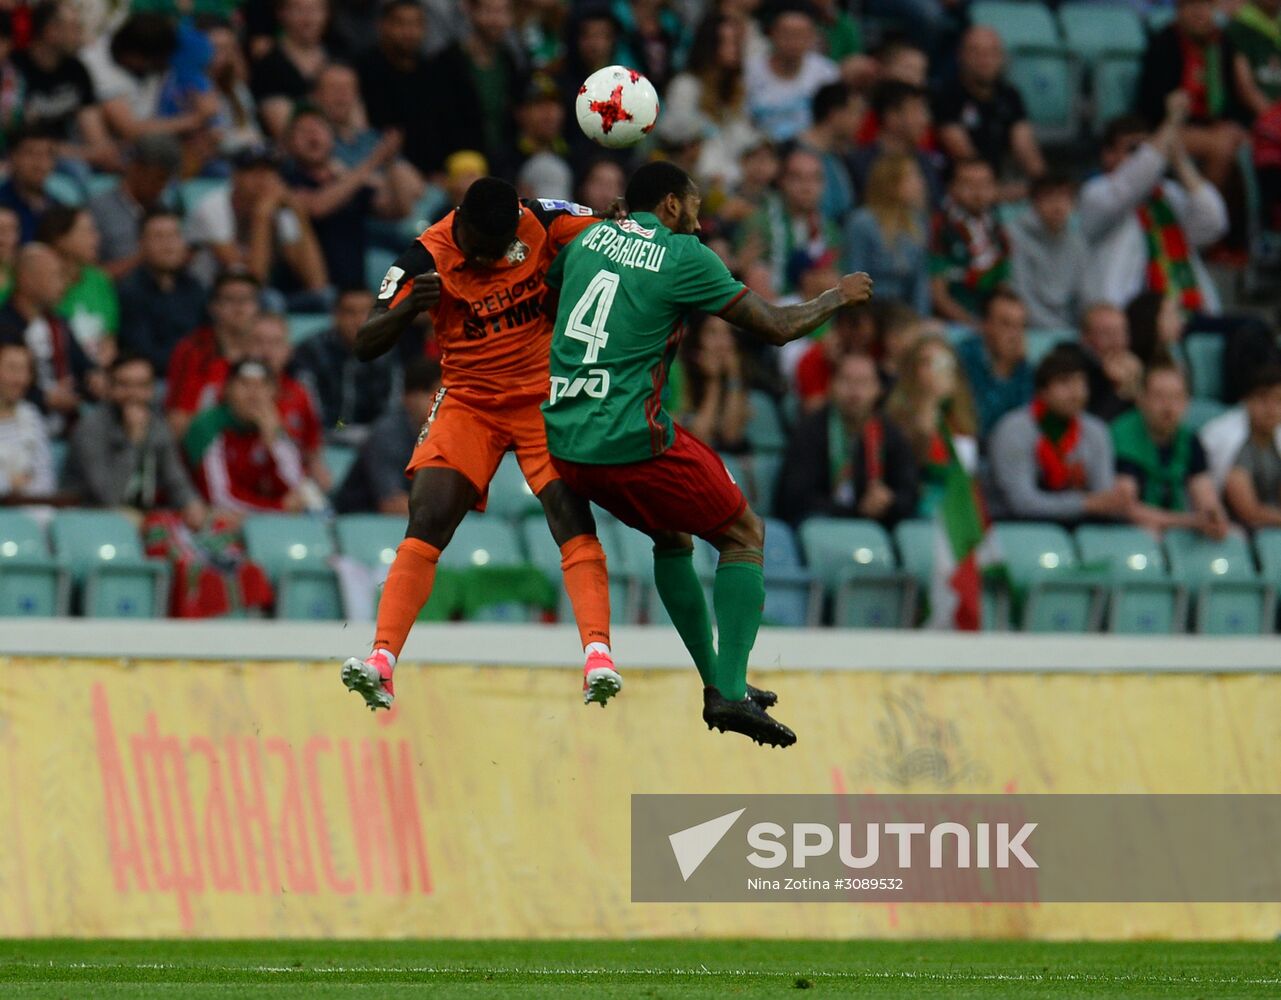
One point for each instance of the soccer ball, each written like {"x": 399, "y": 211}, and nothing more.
{"x": 616, "y": 107}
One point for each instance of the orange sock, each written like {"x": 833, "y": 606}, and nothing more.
{"x": 407, "y": 588}
{"x": 582, "y": 561}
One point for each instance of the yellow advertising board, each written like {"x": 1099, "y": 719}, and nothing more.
{"x": 147, "y": 798}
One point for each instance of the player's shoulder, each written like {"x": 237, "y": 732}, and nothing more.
{"x": 548, "y": 210}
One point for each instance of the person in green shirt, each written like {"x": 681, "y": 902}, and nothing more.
{"x": 90, "y": 305}
{"x": 625, "y": 287}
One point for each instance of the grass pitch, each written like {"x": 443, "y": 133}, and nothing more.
{"x": 652, "y": 969}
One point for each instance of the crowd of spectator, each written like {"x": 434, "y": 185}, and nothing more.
{"x": 183, "y": 183}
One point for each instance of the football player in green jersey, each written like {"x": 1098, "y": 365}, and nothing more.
{"x": 625, "y": 287}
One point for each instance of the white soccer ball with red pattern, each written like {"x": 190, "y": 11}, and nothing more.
{"x": 616, "y": 107}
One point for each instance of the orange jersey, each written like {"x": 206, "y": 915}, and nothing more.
{"x": 489, "y": 322}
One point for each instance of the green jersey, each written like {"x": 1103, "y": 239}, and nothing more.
{"x": 625, "y": 288}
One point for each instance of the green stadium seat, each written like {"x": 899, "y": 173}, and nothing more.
{"x": 1041, "y": 342}
{"x": 1092, "y": 31}
{"x": 1058, "y": 596}
{"x": 1049, "y": 84}
{"x": 294, "y": 550}
{"x": 764, "y": 427}
{"x": 377, "y": 261}
{"x": 1231, "y": 599}
{"x": 304, "y": 325}
{"x": 792, "y": 596}
{"x": 756, "y": 475}
{"x": 102, "y": 183}
{"x": 64, "y": 190}
{"x": 637, "y": 550}
{"x": 103, "y": 553}
{"x": 1022, "y": 26}
{"x": 1267, "y": 545}
{"x": 509, "y": 494}
{"x": 853, "y": 559}
{"x": 488, "y": 543}
{"x": 192, "y": 192}
{"x": 339, "y": 459}
{"x": 1143, "y": 599}
{"x": 31, "y": 581}
{"x": 58, "y": 453}
{"x": 1114, "y": 81}
{"x": 545, "y": 554}
{"x": 915, "y": 540}
{"x": 1205, "y": 362}
{"x": 1202, "y": 411}
{"x": 369, "y": 539}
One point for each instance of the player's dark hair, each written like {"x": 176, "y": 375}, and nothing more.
{"x": 159, "y": 212}
{"x": 391, "y": 6}
{"x": 827, "y": 100}
{"x": 1126, "y": 125}
{"x": 1063, "y": 361}
{"x": 1265, "y": 378}
{"x": 226, "y": 278}
{"x": 653, "y": 182}
{"x": 422, "y": 375}
{"x": 57, "y": 221}
{"x": 130, "y": 358}
{"x": 1003, "y": 293}
{"x": 1050, "y": 182}
{"x": 967, "y": 163}
{"x": 491, "y": 207}
{"x": 890, "y": 95}
{"x": 43, "y": 15}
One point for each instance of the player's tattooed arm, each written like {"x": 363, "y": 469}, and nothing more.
{"x": 782, "y": 324}
{"x": 410, "y": 287}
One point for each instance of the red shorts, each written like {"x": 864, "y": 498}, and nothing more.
{"x": 687, "y": 488}
{"x": 472, "y": 439}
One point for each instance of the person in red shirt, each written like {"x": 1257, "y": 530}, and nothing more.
{"x": 243, "y": 459}
{"x": 269, "y": 343}
{"x": 201, "y": 360}
{"x": 479, "y": 273}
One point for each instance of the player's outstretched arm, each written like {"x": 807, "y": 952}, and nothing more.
{"x": 782, "y": 324}
{"x": 384, "y": 326}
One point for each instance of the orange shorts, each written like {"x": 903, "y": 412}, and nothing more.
{"x": 472, "y": 439}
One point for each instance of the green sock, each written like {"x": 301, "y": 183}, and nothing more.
{"x": 682, "y": 596}
{"x": 739, "y": 595}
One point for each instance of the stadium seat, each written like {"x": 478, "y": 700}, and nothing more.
{"x": 370, "y": 539}
{"x": 1049, "y": 84}
{"x": 1092, "y": 31}
{"x": 1205, "y": 362}
{"x": 1022, "y": 26}
{"x": 31, "y": 582}
{"x": 1041, "y": 342}
{"x": 304, "y": 325}
{"x": 915, "y": 541}
{"x": 1201, "y": 411}
{"x": 339, "y": 459}
{"x": 103, "y": 553}
{"x": 192, "y": 192}
{"x": 853, "y": 559}
{"x": 792, "y": 596}
{"x": 637, "y": 551}
{"x": 377, "y": 261}
{"x": 65, "y": 190}
{"x": 1231, "y": 599}
{"x": 102, "y": 183}
{"x": 294, "y": 550}
{"x": 1114, "y": 81}
{"x": 1143, "y": 599}
{"x": 1267, "y": 545}
{"x": 509, "y": 494}
{"x": 756, "y": 476}
{"x": 490, "y": 544}
{"x": 58, "y": 452}
{"x": 1056, "y": 594}
{"x": 764, "y": 427}
{"x": 545, "y": 554}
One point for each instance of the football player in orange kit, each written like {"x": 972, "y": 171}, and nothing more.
{"x": 479, "y": 274}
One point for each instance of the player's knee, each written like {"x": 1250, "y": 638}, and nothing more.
{"x": 568, "y": 516}
{"x": 428, "y": 523}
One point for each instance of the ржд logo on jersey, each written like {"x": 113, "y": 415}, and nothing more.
{"x": 517, "y": 252}
{"x": 594, "y": 384}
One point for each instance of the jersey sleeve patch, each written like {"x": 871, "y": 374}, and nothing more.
{"x": 556, "y": 205}
{"x": 399, "y": 279}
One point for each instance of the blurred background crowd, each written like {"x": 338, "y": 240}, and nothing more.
{"x": 1068, "y": 211}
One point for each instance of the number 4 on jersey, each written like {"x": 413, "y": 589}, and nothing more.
{"x": 599, "y": 293}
